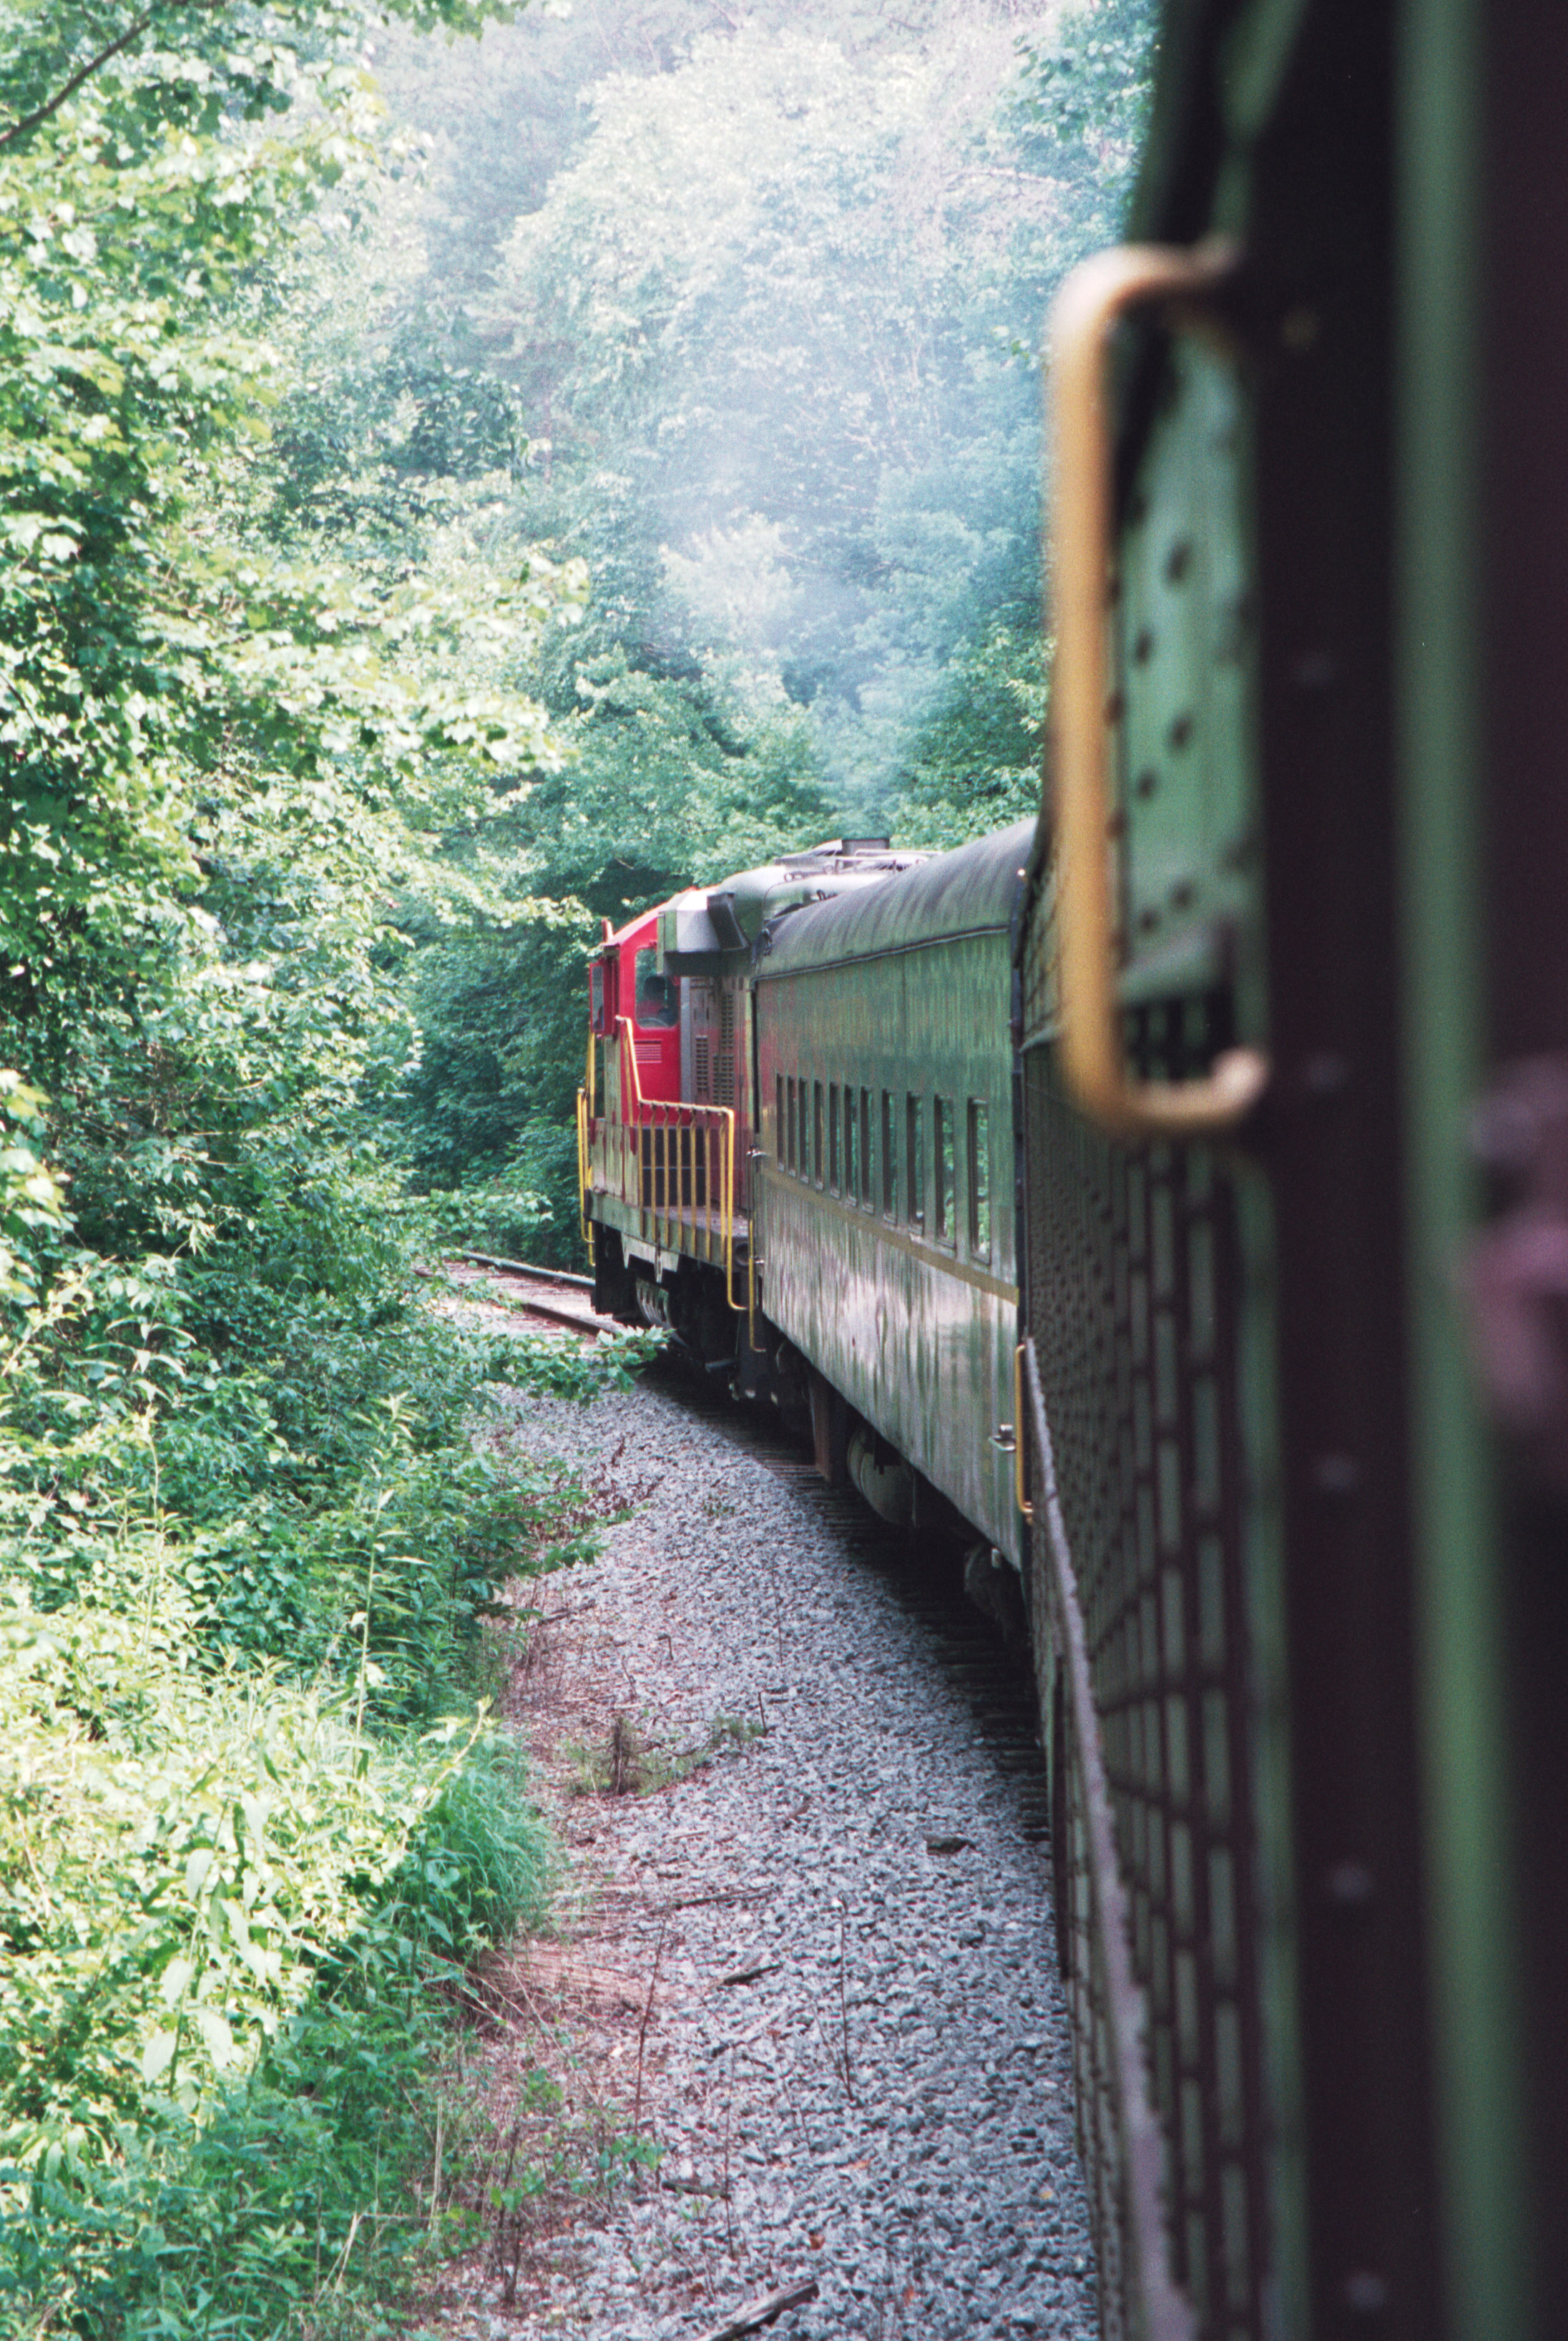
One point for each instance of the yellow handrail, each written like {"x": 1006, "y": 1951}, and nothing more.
{"x": 738, "y": 1305}
{"x": 1020, "y": 1456}
{"x": 1095, "y": 297}
{"x": 583, "y": 1173}
{"x": 585, "y": 1166}
{"x": 678, "y": 1116}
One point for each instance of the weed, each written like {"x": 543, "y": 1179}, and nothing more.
{"x": 626, "y": 1752}
{"x": 733, "y": 1732}
{"x": 631, "y": 1765}
{"x": 554, "y": 2158}
{"x": 223, "y": 2098}
{"x": 248, "y": 1554}
{"x": 546, "y": 1367}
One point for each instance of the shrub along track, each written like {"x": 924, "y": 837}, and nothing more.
{"x": 804, "y": 1945}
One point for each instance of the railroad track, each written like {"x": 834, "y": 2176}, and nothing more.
{"x": 544, "y": 1292}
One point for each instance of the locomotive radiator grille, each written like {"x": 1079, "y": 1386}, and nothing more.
{"x": 1132, "y": 1263}
{"x": 724, "y": 1055}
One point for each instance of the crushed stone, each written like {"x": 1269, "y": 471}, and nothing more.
{"x": 812, "y": 1960}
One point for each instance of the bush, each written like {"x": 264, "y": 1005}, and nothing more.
{"x": 247, "y": 1846}
{"x": 227, "y": 1913}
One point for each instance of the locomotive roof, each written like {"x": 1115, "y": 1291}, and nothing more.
{"x": 971, "y": 890}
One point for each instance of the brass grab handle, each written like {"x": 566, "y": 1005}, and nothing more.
{"x": 1098, "y": 293}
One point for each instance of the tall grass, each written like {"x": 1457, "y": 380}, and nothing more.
{"x": 254, "y": 1822}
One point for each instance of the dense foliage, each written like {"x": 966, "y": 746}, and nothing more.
{"x": 766, "y": 297}
{"x": 420, "y": 539}
{"x": 247, "y": 1542}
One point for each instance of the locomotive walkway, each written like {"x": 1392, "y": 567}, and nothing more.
{"x": 810, "y": 1959}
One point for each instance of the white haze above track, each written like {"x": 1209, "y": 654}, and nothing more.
{"x": 767, "y": 286}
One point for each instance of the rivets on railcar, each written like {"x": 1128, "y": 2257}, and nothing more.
{"x": 1349, "y": 1885}
{"x": 1181, "y": 731}
{"x": 1183, "y": 895}
{"x": 1116, "y": 707}
{"x": 1147, "y": 921}
{"x": 1179, "y": 561}
{"x": 1335, "y": 1476}
{"x": 1143, "y": 649}
{"x": 1364, "y": 2292}
{"x": 1147, "y": 782}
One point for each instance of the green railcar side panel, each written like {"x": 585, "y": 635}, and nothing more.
{"x": 1149, "y": 1302}
{"x": 1475, "y": 1889}
{"x": 1184, "y": 628}
{"x": 914, "y": 1323}
{"x": 1282, "y": 815}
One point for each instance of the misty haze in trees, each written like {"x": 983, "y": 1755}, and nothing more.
{"x": 761, "y": 294}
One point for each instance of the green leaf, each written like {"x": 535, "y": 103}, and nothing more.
{"x": 177, "y": 1982}
{"x": 219, "y": 2039}
{"x": 158, "y": 2056}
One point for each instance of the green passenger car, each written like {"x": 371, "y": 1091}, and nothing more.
{"x": 884, "y": 1215}
{"x": 1296, "y": 1081}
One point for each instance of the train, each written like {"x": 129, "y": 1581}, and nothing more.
{"x": 1167, "y": 1198}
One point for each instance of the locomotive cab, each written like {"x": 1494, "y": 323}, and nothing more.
{"x": 629, "y": 986}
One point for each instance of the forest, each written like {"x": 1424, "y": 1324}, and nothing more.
{"x": 465, "y": 472}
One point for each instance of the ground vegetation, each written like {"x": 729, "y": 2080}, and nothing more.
{"x": 251, "y": 1810}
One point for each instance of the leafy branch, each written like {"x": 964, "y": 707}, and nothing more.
{"x": 17, "y": 130}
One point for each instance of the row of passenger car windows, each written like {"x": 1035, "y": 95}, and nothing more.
{"x": 838, "y": 1137}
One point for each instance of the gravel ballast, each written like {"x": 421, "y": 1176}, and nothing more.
{"x": 818, "y": 1943}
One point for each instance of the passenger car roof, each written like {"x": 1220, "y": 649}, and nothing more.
{"x": 971, "y": 890}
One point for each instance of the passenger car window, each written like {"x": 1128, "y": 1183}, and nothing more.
{"x": 658, "y": 996}
{"x": 889, "y": 1158}
{"x": 979, "y": 1168}
{"x": 947, "y": 1172}
{"x": 833, "y": 1136}
{"x": 915, "y": 1159}
{"x": 851, "y": 1185}
{"x": 779, "y": 1118}
{"x": 794, "y": 1158}
{"x": 816, "y": 1130}
{"x": 866, "y": 1189}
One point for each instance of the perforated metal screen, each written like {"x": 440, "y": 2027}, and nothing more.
{"x": 1132, "y": 1274}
